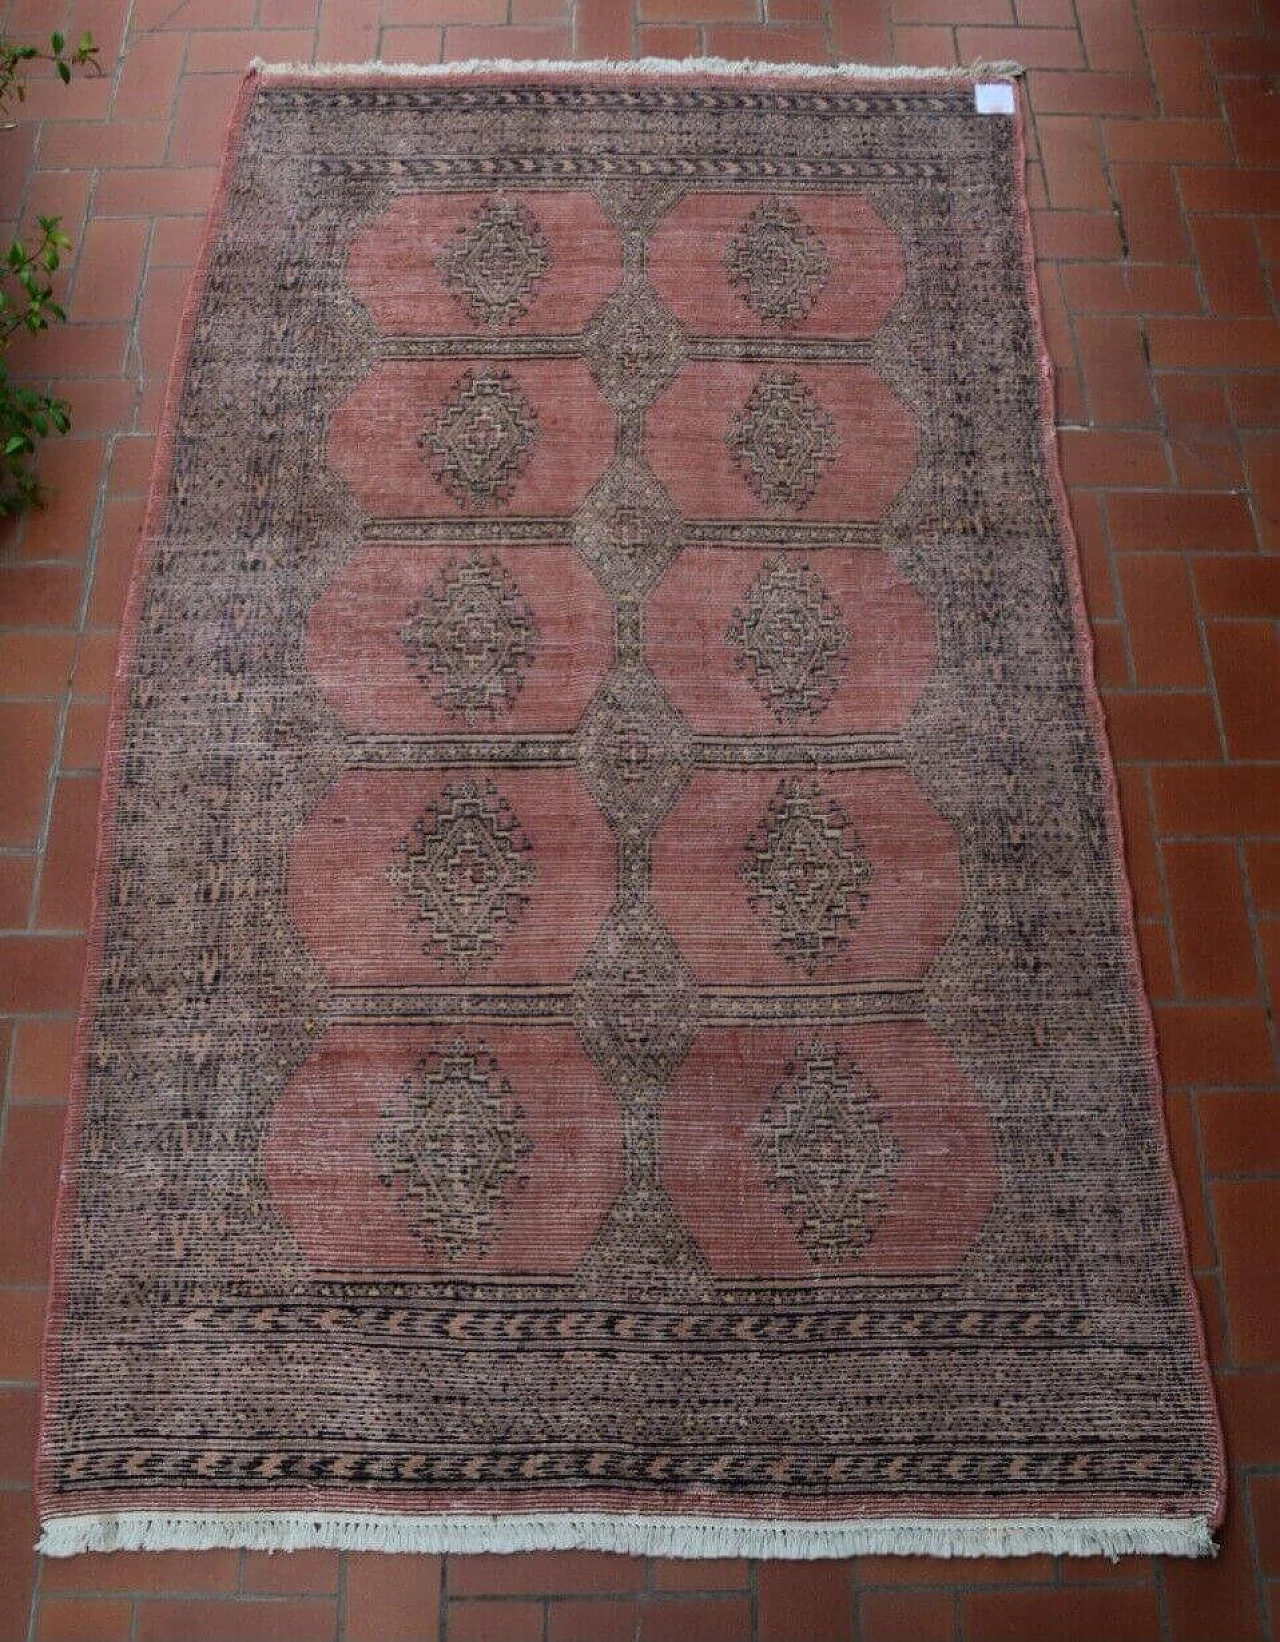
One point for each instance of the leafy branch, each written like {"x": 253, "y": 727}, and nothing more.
{"x": 27, "y": 302}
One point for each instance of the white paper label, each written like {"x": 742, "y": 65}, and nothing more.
{"x": 993, "y": 99}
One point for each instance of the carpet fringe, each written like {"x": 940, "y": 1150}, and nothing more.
{"x": 1000, "y": 69}
{"x": 667, "y": 1536}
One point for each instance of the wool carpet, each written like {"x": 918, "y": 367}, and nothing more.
{"x": 612, "y": 1015}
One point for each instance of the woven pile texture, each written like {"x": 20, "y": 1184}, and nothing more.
{"x": 613, "y": 1014}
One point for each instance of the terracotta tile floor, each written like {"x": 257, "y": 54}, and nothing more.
{"x": 1156, "y": 196}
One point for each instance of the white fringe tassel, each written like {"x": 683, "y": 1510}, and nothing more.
{"x": 1000, "y": 70}
{"x": 668, "y": 1536}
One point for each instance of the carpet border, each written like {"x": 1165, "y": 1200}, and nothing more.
{"x": 659, "y": 1534}
{"x": 634, "y": 1535}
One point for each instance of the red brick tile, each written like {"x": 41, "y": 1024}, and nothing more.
{"x": 1178, "y": 523}
{"x": 906, "y": 1616}
{"x": 1246, "y": 1213}
{"x": 708, "y": 1618}
{"x": 71, "y": 351}
{"x": 195, "y": 1621}
{"x": 549, "y": 1573}
{"x": 1140, "y": 849}
{"x": 1108, "y": 458}
{"x": 1163, "y": 630}
{"x": 1215, "y": 1598}
{"x": 602, "y": 29}
{"x": 39, "y": 973}
{"x": 29, "y": 1176}
{"x": 116, "y": 551}
{"x": 35, "y": 664}
{"x": 295, "y": 1573}
{"x": 202, "y": 111}
{"x": 1111, "y": 39}
{"x": 68, "y": 866}
{"x": 148, "y": 75}
{"x": 768, "y": 45}
{"x": 85, "y": 1619}
{"x": 1246, "y": 668}
{"x": 1208, "y": 344}
{"x": 153, "y": 1573}
{"x": 421, "y": 12}
{"x": 539, "y": 11}
{"x": 1251, "y": 109}
{"x": 1263, "y": 859}
{"x": 26, "y": 733}
{"x": 1073, "y": 167}
{"x": 1210, "y": 920}
{"x": 1264, "y": 1494}
{"x": 809, "y": 1599}
{"x": 1262, "y": 462}
{"x": 1058, "y": 333}
{"x": 537, "y": 43}
{"x": 1185, "y": 14}
{"x": 1213, "y": 1316}
{"x": 1167, "y": 142}
{"x": 287, "y": 13}
{"x": 95, "y": 668}
{"x": 412, "y": 45}
{"x": 108, "y": 269}
{"x": 1133, "y": 288}
{"x": 21, "y": 1331}
{"x": 17, "y": 875}
{"x": 697, "y": 11}
{"x": 17, "y": 1433}
{"x": 591, "y": 1620}
{"x": 927, "y": 45}
{"x": 175, "y": 242}
{"x": 1120, "y": 1614}
{"x": 1236, "y": 54}
{"x": 668, "y": 40}
{"x": 1240, "y": 1132}
{"x": 164, "y": 191}
{"x": 1116, "y": 378}
{"x": 1110, "y": 656}
{"x": 1214, "y": 1044}
{"x": 1230, "y": 189}
{"x": 1196, "y": 799}
{"x": 1091, "y": 540}
{"x": 347, "y": 34}
{"x": 1149, "y": 208}
{"x": 42, "y": 1059}
{"x": 230, "y": 50}
{"x": 39, "y": 595}
{"x": 1157, "y": 958}
{"x": 1205, "y": 450}
{"x": 69, "y": 471}
{"x": 1229, "y": 260}
{"x": 1183, "y": 75}
{"x": 1180, "y": 1123}
{"x": 1087, "y": 93}
{"x": 918, "y": 1570}
{"x": 1046, "y": 13}
{"x": 1069, "y": 235}
{"x": 392, "y": 1599}
{"x": 1255, "y": 400}
{"x": 102, "y": 144}
{"x": 131, "y": 461}
{"x": 1162, "y": 724}
{"x": 859, "y": 32}
{"x": 1250, "y": 1405}
{"x": 1035, "y": 48}
{"x": 700, "y": 1574}
{"x": 794, "y": 11}
{"x": 85, "y": 735}
{"x": 491, "y": 1621}
{"x": 17, "y": 1560}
